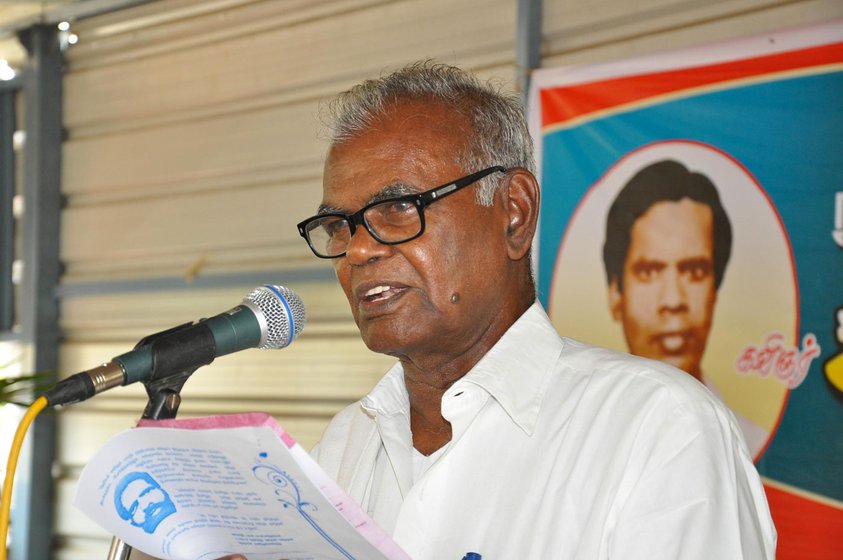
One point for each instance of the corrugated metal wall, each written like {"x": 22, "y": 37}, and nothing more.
{"x": 193, "y": 148}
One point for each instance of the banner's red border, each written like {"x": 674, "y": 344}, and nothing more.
{"x": 808, "y": 529}
{"x": 561, "y": 104}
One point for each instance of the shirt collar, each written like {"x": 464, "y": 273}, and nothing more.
{"x": 518, "y": 368}
{"x": 389, "y": 397}
{"x": 515, "y": 372}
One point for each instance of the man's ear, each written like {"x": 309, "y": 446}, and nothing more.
{"x": 615, "y": 300}
{"x": 521, "y": 197}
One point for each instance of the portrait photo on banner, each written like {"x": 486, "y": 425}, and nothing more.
{"x": 677, "y": 253}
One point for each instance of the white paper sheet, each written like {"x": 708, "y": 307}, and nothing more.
{"x": 198, "y": 489}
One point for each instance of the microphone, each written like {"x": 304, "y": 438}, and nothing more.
{"x": 269, "y": 317}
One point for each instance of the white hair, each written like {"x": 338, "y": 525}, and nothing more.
{"x": 499, "y": 135}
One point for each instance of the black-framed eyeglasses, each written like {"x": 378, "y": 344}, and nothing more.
{"x": 391, "y": 221}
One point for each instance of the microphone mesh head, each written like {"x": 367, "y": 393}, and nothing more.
{"x": 283, "y": 311}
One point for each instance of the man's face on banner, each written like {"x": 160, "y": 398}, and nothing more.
{"x": 668, "y": 295}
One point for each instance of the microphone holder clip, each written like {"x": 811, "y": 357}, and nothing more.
{"x": 164, "y": 393}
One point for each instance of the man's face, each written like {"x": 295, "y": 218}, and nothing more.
{"x": 668, "y": 296}
{"x": 144, "y": 503}
{"x": 434, "y": 295}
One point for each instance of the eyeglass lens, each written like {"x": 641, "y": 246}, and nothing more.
{"x": 391, "y": 221}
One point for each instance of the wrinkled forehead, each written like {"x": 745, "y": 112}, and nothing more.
{"x": 413, "y": 125}
{"x": 410, "y": 148}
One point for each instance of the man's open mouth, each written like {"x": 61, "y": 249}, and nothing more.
{"x": 381, "y": 293}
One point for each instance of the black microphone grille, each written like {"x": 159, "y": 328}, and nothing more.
{"x": 284, "y": 312}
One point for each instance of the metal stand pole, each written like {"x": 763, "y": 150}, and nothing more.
{"x": 163, "y": 404}
{"x": 119, "y": 550}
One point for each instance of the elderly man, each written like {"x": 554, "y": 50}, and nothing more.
{"x": 492, "y": 437}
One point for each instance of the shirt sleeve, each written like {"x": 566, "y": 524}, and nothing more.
{"x": 691, "y": 491}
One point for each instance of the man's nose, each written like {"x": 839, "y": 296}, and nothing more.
{"x": 672, "y": 291}
{"x": 363, "y": 248}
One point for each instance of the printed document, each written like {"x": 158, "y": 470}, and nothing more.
{"x": 198, "y": 489}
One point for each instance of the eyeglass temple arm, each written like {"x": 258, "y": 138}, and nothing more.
{"x": 445, "y": 190}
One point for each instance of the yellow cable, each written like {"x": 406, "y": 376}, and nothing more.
{"x": 36, "y": 407}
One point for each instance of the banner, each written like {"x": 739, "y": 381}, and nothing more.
{"x": 692, "y": 212}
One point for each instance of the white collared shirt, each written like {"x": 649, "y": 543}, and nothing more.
{"x": 755, "y": 436}
{"x": 559, "y": 450}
